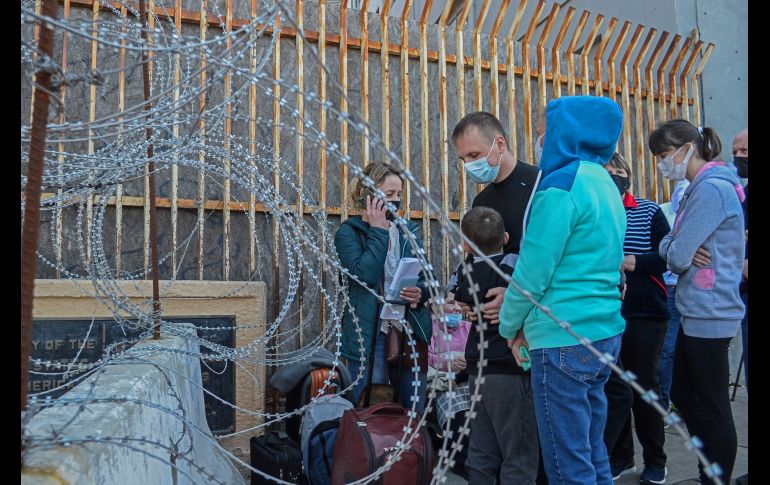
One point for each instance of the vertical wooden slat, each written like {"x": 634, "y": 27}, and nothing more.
{"x": 683, "y": 79}
{"x": 493, "y": 48}
{"x": 344, "y": 107}
{"x": 695, "y": 88}
{"x": 598, "y": 75}
{"x": 527, "y": 73}
{"x": 91, "y": 118}
{"x": 150, "y": 70}
{"x": 175, "y": 134}
{"x": 571, "y": 75}
{"x": 640, "y": 178}
{"x": 202, "y": 128}
{"x": 662, "y": 114}
{"x": 365, "y": 83}
{"x": 322, "y": 150}
{"x": 299, "y": 63}
{"x": 625, "y": 86}
{"x": 252, "y": 146}
{"x": 460, "y": 66}
{"x": 228, "y": 131}
{"x": 385, "y": 73}
{"x": 443, "y": 135}
{"x": 586, "y": 49}
{"x": 425, "y": 124}
{"x": 478, "y": 101}
{"x": 653, "y": 187}
{"x": 672, "y": 85}
{"x": 541, "y": 81}
{"x": 121, "y": 108}
{"x": 405, "y": 156}
{"x": 511, "y": 76}
{"x": 60, "y": 167}
{"x": 611, "y": 80}
{"x": 556, "y": 53}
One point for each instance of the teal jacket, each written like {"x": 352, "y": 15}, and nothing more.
{"x": 362, "y": 250}
{"x": 573, "y": 245}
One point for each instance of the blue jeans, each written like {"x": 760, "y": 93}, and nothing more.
{"x": 666, "y": 362}
{"x": 745, "y": 339}
{"x": 380, "y": 375}
{"x": 571, "y": 411}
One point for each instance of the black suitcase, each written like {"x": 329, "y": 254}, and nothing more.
{"x": 277, "y": 455}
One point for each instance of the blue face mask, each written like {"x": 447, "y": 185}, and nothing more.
{"x": 453, "y": 319}
{"x": 481, "y": 171}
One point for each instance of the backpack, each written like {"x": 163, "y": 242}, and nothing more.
{"x": 320, "y": 423}
{"x": 307, "y": 390}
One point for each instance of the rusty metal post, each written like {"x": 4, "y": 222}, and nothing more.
{"x": 406, "y": 158}
{"x": 653, "y": 187}
{"x": 542, "y": 83}
{"x": 201, "y": 202}
{"x": 385, "y": 72}
{"x": 598, "y": 75}
{"x": 151, "y": 170}
{"x": 343, "y": 107}
{"x": 32, "y": 201}
{"x": 683, "y": 79}
{"x": 365, "y": 82}
{"x": 640, "y": 178}
{"x": 672, "y": 77}
{"x": 611, "y": 80}
{"x": 511, "y": 76}
{"x": 425, "y": 122}
{"x": 695, "y": 88}
{"x": 585, "y": 88}
{"x": 556, "y": 54}
{"x": 662, "y": 113}
{"x": 443, "y": 135}
{"x": 460, "y": 66}
{"x": 626, "y": 89}
{"x": 571, "y": 76}
{"x": 527, "y": 78}
{"x": 478, "y": 101}
{"x": 494, "y": 75}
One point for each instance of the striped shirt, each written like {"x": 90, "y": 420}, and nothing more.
{"x": 638, "y": 230}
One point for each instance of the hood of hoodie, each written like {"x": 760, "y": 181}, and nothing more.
{"x": 580, "y": 128}
{"x": 717, "y": 170}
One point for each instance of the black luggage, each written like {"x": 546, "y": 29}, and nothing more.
{"x": 277, "y": 455}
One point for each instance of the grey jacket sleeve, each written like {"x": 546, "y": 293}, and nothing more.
{"x": 703, "y": 213}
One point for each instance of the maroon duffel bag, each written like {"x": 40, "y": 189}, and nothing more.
{"x": 367, "y": 436}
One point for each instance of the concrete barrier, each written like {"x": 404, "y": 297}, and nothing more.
{"x": 146, "y": 426}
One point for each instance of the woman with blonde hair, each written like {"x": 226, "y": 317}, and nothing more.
{"x": 370, "y": 247}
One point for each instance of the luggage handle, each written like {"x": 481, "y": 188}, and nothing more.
{"x": 387, "y": 408}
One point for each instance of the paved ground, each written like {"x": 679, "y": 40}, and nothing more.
{"x": 682, "y": 464}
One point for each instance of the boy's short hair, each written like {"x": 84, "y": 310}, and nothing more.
{"x": 484, "y": 226}
{"x": 487, "y": 124}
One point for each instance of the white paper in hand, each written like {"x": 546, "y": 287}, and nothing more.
{"x": 407, "y": 268}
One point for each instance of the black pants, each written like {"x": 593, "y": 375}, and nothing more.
{"x": 620, "y": 399}
{"x": 640, "y": 354}
{"x": 700, "y": 391}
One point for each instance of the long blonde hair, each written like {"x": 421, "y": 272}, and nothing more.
{"x": 378, "y": 172}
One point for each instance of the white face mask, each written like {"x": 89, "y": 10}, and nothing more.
{"x": 675, "y": 171}
{"x": 538, "y": 148}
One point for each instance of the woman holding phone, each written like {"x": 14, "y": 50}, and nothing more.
{"x": 370, "y": 247}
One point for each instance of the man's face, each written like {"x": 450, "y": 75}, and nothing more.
{"x": 472, "y": 145}
{"x": 741, "y": 144}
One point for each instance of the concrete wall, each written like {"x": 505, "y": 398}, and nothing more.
{"x": 245, "y": 301}
{"x": 127, "y": 439}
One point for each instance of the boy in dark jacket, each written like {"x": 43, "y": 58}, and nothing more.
{"x": 503, "y": 441}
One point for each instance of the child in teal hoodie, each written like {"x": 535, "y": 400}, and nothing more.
{"x": 570, "y": 259}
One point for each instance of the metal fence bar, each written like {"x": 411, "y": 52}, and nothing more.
{"x": 150, "y": 6}
{"x": 227, "y": 161}
{"x": 460, "y": 65}
{"x": 365, "y": 83}
{"x": 175, "y": 134}
{"x": 584, "y": 54}
{"x": 527, "y": 78}
{"x": 683, "y": 79}
{"x": 511, "y": 75}
{"x": 275, "y": 341}
{"x": 253, "y": 148}
{"x": 640, "y": 180}
{"x": 598, "y": 75}
{"x": 556, "y": 53}
{"x": 542, "y": 83}
{"x": 91, "y": 118}
{"x": 571, "y": 75}
{"x": 405, "y": 121}
{"x": 443, "y": 135}
{"x": 385, "y": 73}
{"x": 611, "y": 80}
{"x": 60, "y": 168}
{"x": 299, "y": 64}
{"x": 493, "y": 49}
{"x": 672, "y": 84}
{"x": 201, "y": 202}
{"x": 322, "y": 150}
{"x": 652, "y": 190}
{"x": 695, "y": 88}
{"x": 477, "y": 98}
{"x": 662, "y": 116}
{"x": 344, "y": 106}
{"x": 425, "y": 120}
{"x": 625, "y": 90}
